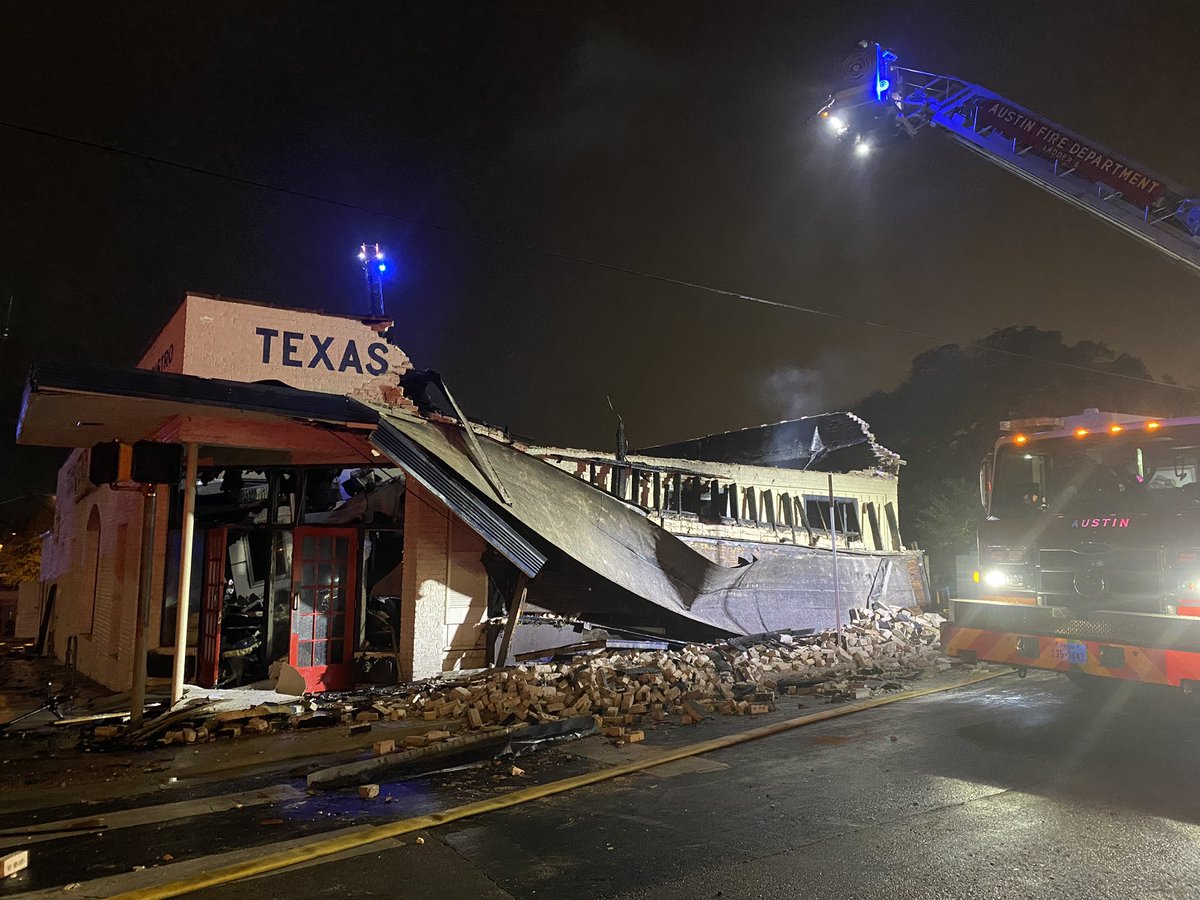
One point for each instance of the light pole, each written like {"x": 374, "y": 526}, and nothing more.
{"x": 373, "y": 266}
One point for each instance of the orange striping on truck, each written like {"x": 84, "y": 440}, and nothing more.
{"x": 1145, "y": 664}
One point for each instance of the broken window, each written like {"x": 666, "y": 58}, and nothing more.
{"x": 768, "y": 505}
{"x": 383, "y": 556}
{"x": 285, "y": 496}
{"x": 243, "y": 620}
{"x": 674, "y": 493}
{"x": 280, "y": 593}
{"x": 692, "y": 492}
{"x": 751, "y": 505}
{"x": 873, "y": 523}
{"x": 816, "y": 510}
{"x": 709, "y": 498}
{"x": 232, "y": 497}
{"x": 324, "y": 493}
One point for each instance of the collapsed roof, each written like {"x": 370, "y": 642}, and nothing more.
{"x": 831, "y": 442}
{"x": 553, "y": 509}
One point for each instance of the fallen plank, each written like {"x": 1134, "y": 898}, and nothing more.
{"x": 354, "y": 772}
{"x": 564, "y": 650}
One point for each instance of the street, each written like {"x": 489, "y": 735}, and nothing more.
{"x": 1007, "y": 788}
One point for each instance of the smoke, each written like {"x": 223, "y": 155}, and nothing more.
{"x": 791, "y": 392}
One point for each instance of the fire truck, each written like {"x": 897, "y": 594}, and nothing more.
{"x": 1089, "y": 552}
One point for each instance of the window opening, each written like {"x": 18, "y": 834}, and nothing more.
{"x": 816, "y": 509}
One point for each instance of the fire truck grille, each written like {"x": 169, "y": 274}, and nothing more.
{"x": 1113, "y": 578}
{"x": 1079, "y": 628}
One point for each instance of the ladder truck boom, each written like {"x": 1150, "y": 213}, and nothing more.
{"x": 878, "y": 93}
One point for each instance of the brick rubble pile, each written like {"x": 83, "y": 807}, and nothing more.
{"x": 877, "y": 651}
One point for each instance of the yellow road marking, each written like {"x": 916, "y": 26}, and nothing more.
{"x": 271, "y": 862}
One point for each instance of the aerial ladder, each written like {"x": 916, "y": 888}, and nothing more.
{"x": 1090, "y": 548}
{"x": 877, "y": 96}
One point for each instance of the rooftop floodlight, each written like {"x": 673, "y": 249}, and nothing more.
{"x": 371, "y": 257}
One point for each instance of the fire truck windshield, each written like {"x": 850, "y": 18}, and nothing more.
{"x": 1139, "y": 470}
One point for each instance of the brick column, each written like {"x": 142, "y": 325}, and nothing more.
{"x": 424, "y": 593}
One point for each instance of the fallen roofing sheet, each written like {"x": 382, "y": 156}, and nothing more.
{"x": 623, "y": 546}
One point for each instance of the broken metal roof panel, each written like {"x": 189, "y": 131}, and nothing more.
{"x": 832, "y": 442}
{"x": 450, "y": 489}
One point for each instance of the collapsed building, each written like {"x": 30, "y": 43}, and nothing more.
{"x": 338, "y": 512}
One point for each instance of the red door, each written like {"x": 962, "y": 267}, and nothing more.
{"x": 323, "y": 582}
{"x": 208, "y": 653}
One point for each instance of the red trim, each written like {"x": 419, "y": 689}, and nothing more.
{"x": 1188, "y": 610}
{"x": 212, "y": 605}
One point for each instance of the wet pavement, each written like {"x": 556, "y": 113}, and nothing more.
{"x": 1009, "y": 788}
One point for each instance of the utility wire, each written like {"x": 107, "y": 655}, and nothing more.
{"x": 484, "y": 238}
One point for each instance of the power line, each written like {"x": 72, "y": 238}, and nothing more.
{"x": 485, "y": 238}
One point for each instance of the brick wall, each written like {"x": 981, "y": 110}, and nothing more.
{"x": 97, "y": 574}
{"x": 466, "y": 600}
{"x": 444, "y": 592}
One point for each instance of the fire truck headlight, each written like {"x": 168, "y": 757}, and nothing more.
{"x": 994, "y": 578}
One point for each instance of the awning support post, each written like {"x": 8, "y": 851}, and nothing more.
{"x": 145, "y": 587}
{"x": 183, "y": 595}
{"x": 837, "y": 588}
{"x": 514, "y": 615}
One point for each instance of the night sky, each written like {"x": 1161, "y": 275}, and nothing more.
{"x": 663, "y": 137}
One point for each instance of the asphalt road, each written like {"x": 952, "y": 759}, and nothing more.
{"x": 1004, "y": 789}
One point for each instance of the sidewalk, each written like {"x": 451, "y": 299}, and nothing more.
{"x": 45, "y": 766}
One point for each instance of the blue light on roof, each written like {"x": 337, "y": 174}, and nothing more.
{"x": 883, "y": 59}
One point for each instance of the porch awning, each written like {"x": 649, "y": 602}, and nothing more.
{"x": 82, "y": 405}
{"x": 78, "y": 405}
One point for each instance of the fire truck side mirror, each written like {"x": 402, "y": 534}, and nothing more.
{"x": 985, "y": 481}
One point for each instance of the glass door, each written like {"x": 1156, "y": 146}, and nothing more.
{"x": 323, "y": 592}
